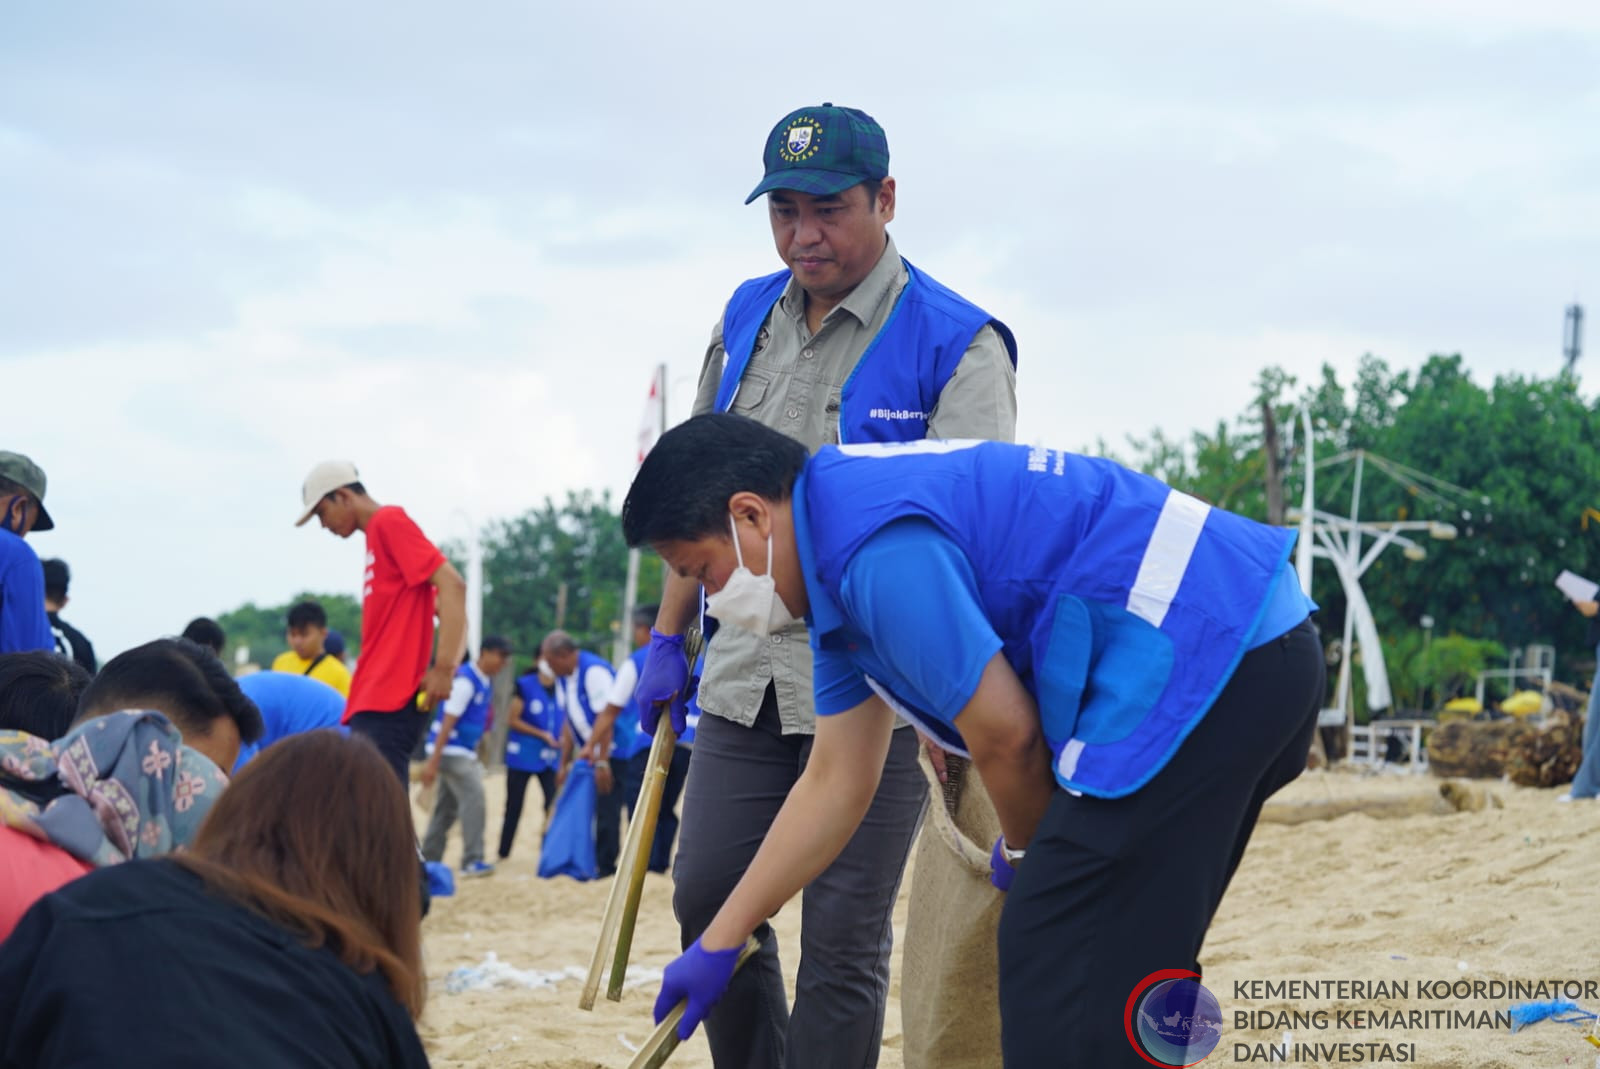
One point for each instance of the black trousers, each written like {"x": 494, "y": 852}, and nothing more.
{"x": 608, "y": 812}
{"x": 395, "y": 734}
{"x": 516, "y": 792}
{"x": 1112, "y": 890}
{"x": 667, "y": 821}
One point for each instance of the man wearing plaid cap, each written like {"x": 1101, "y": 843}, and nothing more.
{"x": 849, "y": 343}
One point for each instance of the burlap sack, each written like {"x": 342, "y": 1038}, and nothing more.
{"x": 949, "y": 985}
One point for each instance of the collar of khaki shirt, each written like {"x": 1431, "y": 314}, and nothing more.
{"x": 867, "y": 302}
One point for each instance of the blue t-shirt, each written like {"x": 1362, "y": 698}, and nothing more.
{"x": 289, "y": 704}
{"x": 24, "y": 625}
{"x": 910, "y": 572}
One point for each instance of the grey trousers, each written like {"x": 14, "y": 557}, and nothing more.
{"x": 738, "y": 779}
{"x": 460, "y": 793}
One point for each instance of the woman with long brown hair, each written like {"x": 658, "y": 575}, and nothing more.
{"x": 287, "y": 935}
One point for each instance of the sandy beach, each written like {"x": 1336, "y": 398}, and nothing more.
{"x": 1420, "y": 902}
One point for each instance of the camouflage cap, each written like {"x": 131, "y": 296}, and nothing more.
{"x": 823, "y": 151}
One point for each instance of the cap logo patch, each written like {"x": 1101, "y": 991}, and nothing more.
{"x": 802, "y": 141}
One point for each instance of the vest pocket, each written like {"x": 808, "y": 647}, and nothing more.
{"x": 1103, "y": 671}
{"x": 1064, "y": 671}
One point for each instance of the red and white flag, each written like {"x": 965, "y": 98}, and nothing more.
{"x": 653, "y": 424}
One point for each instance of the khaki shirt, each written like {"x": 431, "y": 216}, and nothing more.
{"x": 793, "y": 383}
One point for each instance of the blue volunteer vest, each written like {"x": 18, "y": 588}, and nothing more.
{"x": 524, "y": 752}
{"x": 627, "y": 737}
{"x": 580, "y": 714}
{"x": 898, "y": 379}
{"x": 469, "y": 728}
{"x": 1123, "y": 605}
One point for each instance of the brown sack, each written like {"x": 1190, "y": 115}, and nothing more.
{"x": 950, "y": 980}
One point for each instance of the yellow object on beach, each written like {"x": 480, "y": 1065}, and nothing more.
{"x": 1463, "y": 705}
{"x": 1523, "y": 703}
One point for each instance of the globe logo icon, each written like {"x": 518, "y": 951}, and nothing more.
{"x": 1179, "y": 1022}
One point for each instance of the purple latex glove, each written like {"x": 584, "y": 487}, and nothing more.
{"x": 661, "y": 681}
{"x": 1001, "y": 871}
{"x": 699, "y": 975}
{"x": 661, "y": 678}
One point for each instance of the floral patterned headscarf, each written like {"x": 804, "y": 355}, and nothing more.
{"x": 114, "y": 788}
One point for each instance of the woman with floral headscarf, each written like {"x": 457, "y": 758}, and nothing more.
{"x": 117, "y": 787}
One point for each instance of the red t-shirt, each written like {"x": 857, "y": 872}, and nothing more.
{"x": 30, "y": 869}
{"x": 397, "y": 607}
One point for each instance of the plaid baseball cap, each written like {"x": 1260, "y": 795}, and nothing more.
{"x": 28, "y": 475}
{"x": 823, "y": 151}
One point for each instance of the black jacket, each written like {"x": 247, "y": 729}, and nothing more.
{"x": 140, "y": 965}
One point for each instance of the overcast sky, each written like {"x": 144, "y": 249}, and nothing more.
{"x": 450, "y": 242}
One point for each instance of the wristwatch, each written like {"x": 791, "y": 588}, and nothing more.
{"x": 1012, "y": 856}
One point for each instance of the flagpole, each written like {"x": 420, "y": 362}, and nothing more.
{"x": 630, "y": 594}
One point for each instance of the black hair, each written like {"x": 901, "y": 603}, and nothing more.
{"x": 871, "y": 186}
{"x": 39, "y": 693}
{"x": 682, "y": 489}
{"x": 206, "y": 632}
{"x": 56, "y": 577}
{"x": 496, "y": 644}
{"x": 354, "y": 488}
{"x": 645, "y": 615}
{"x": 307, "y": 614}
{"x": 177, "y": 677}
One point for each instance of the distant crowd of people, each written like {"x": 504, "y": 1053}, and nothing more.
{"x": 163, "y": 822}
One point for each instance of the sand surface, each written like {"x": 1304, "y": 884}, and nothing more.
{"x": 1501, "y": 893}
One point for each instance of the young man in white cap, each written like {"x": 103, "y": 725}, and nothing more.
{"x": 24, "y": 624}
{"x": 407, "y": 582}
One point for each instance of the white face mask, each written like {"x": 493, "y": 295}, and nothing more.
{"x": 748, "y": 600}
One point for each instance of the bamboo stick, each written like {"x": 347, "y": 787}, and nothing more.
{"x": 636, "y": 861}
{"x": 646, "y": 810}
{"x": 664, "y": 1040}
{"x": 620, "y": 895}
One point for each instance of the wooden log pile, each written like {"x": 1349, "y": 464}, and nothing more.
{"x": 1549, "y": 754}
{"x": 1543, "y": 753}
{"x": 1477, "y": 749}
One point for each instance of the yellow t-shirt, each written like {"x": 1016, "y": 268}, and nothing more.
{"x": 330, "y": 670}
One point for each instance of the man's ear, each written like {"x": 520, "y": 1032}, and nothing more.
{"x": 749, "y": 507}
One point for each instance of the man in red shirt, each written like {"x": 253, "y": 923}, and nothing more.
{"x": 407, "y": 581}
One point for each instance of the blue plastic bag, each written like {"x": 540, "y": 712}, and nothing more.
{"x": 569, "y": 844}
{"x": 441, "y": 881}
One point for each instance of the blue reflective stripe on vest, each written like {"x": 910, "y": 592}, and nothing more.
{"x": 1123, "y": 606}
{"x": 894, "y": 386}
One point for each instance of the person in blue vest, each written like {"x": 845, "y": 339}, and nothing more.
{"x": 452, "y": 750}
{"x": 849, "y": 343}
{"x": 290, "y": 704}
{"x": 617, "y": 729}
{"x": 1131, "y": 671}
{"x": 583, "y": 685}
{"x": 533, "y": 747}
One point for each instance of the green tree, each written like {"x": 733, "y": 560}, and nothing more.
{"x": 261, "y": 629}
{"x": 528, "y": 559}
